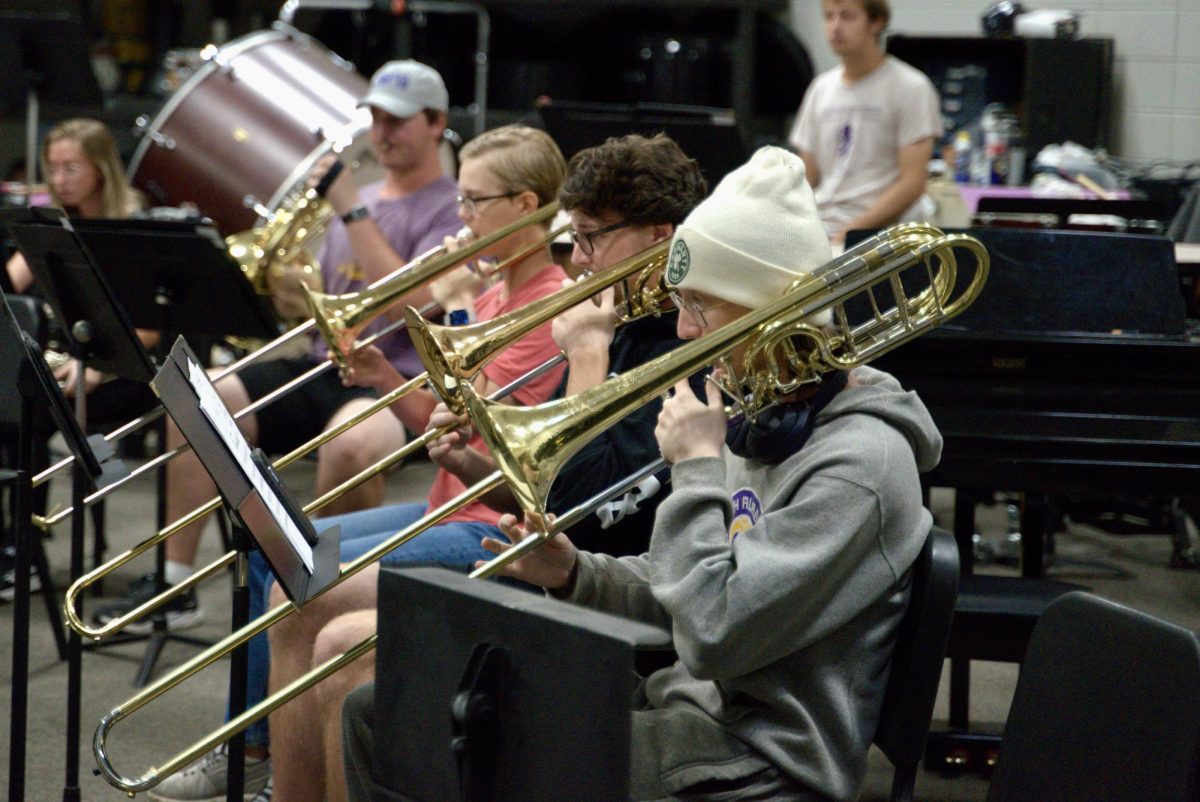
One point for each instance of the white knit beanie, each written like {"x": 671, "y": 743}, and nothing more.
{"x": 758, "y": 231}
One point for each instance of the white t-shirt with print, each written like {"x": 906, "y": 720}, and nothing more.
{"x": 855, "y": 133}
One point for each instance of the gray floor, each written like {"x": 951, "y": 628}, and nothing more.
{"x": 173, "y": 722}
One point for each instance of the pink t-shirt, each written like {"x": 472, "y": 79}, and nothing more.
{"x": 509, "y": 365}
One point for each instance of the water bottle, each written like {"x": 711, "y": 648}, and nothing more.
{"x": 962, "y": 157}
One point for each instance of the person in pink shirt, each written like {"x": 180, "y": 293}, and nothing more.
{"x": 505, "y": 174}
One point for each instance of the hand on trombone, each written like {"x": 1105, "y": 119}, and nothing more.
{"x": 688, "y": 427}
{"x": 368, "y": 367}
{"x": 341, "y": 191}
{"x": 586, "y": 327}
{"x": 450, "y": 451}
{"x": 457, "y": 288}
{"x": 67, "y": 376}
{"x": 552, "y": 566}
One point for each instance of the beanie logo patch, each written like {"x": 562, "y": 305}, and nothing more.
{"x": 678, "y": 263}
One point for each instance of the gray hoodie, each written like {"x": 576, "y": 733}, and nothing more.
{"x": 782, "y": 585}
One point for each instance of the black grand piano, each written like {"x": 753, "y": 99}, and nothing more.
{"x": 1075, "y": 373}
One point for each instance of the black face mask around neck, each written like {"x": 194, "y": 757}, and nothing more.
{"x": 778, "y": 432}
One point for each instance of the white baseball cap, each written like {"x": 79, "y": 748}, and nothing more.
{"x": 404, "y": 88}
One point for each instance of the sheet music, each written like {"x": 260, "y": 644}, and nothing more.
{"x": 226, "y": 428}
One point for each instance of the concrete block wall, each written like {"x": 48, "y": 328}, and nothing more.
{"x": 1156, "y": 74}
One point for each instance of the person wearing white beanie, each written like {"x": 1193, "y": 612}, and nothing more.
{"x": 780, "y": 560}
{"x": 755, "y": 235}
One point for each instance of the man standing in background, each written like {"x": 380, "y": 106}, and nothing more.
{"x": 867, "y": 128}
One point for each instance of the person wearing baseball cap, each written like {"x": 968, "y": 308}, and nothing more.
{"x": 376, "y": 230}
{"x": 780, "y": 560}
{"x": 403, "y": 88}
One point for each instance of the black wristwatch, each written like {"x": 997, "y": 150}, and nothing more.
{"x": 359, "y": 212}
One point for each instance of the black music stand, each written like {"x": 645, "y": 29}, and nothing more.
{"x": 99, "y": 335}
{"x": 478, "y": 682}
{"x": 44, "y": 58}
{"x": 24, "y": 316}
{"x": 36, "y": 382}
{"x": 180, "y": 269}
{"x": 189, "y": 398}
{"x": 303, "y": 562}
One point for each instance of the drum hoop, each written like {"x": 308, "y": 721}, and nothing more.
{"x": 350, "y": 132}
{"x": 218, "y": 60}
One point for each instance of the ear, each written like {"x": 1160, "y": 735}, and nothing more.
{"x": 528, "y": 201}
{"x": 661, "y": 231}
{"x": 439, "y": 125}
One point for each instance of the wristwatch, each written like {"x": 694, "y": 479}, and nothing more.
{"x": 359, "y": 212}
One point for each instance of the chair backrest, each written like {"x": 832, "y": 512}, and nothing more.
{"x": 917, "y": 659}
{"x": 1107, "y": 707}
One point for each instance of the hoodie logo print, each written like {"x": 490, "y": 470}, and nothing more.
{"x": 747, "y": 510}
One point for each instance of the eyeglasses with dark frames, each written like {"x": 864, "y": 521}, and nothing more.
{"x": 586, "y": 240}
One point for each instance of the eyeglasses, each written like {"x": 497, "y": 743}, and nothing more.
{"x": 693, "y": 306}
{"x": 586, "y": 240}
{"x": 471, "y": 205}
{"x": 68, "y": 169}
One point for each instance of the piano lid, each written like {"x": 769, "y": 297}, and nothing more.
{"x": 1074, "y": 281}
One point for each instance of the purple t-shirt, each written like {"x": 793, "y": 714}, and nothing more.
{"x": 412, "y": 224}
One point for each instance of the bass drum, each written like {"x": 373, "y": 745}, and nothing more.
{"x": 247, "y": 127}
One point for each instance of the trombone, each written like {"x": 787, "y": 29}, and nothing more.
{"x": 532, "y": 446}
{"x": 483, "y": 340}
{"x": 341, "y": 318}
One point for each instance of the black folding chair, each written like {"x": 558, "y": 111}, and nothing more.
{"x": 917, "y": 661}
{"x": 1107, "y": 707}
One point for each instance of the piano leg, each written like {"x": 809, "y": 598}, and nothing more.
{"x": 960, "y": 668}
{"x": 993, "y": 619}
{"x": 1035, "y": 510}
{"x": 1185, "y": 548}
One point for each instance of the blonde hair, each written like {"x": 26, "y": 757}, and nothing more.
{"x": 522, "y": 158}
{"x": 118, "y": 198}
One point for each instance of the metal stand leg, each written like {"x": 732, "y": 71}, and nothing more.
{"x": 239, "y": 665}
{"x": 162, "y": 632}
{"x": 22, "y": 536}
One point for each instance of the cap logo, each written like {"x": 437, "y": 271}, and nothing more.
{"x": 678, "y": 263}
{"x": 398, "y": 81}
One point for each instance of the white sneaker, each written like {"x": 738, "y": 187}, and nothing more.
{"x": 265, "y": 794}
{"x": 208, "y": 779}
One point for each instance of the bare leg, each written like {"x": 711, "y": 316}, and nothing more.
{"x": 296, "y": 731}
{"x": 188, "y": 484}
{"x": 338, "y": 636}
{"x": 351, "y": 452}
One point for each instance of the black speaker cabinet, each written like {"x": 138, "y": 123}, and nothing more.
{"x": 1061, "y": 89}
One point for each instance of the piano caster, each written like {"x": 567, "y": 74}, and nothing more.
{"x": 957, "y": 752}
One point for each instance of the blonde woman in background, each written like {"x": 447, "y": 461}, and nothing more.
{"x": 86, "y": 178}
{"x": 83, "y": 170}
